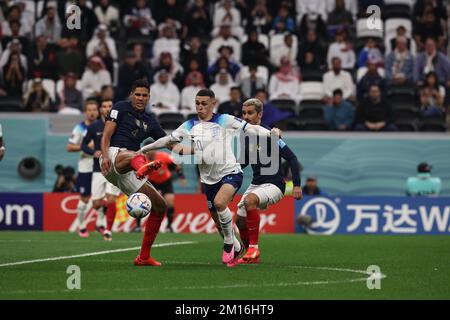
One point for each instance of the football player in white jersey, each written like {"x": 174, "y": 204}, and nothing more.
{"x": 211, "y": 136}
{"x": 85, "y": 164}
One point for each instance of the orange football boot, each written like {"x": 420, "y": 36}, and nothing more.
{"x": 147, "y": 262}
{"x": 252, "y": 256}
{"x": 147, "y": 168}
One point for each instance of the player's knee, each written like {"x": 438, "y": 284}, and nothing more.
{"x": 96, "y": 204}
{"x": 170, "y": 200}
{"x": 220, "y": 204}
{"x": 250, "y": 202}
{"x": 110, "y": 200}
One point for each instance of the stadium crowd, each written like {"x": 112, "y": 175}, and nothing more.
{"x": 316, "y": 64}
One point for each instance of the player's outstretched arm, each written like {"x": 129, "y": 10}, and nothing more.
{"x": 164, "y": 142}
{"x": 74, "y": 144}
{"x": 260, "y": 131}
{"x": 85, "y": 143}
{"x": 169, "y": 142}
{"x": 181, "y": 149}
{"x": 72, "y": 147}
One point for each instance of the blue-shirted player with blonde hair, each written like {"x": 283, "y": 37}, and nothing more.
{"x": 266, "y": 188}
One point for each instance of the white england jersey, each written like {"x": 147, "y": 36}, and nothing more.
{"x": 213, "y": 145}
{"x": 86, "y": 162}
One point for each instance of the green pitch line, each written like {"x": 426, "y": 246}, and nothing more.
{"x": 292, "y": 267}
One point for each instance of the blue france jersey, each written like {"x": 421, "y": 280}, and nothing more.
{"x": 133, "y": 127}
{"x": 284, "y": 152}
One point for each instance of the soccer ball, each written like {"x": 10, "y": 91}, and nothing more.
{"x": 138, "y": 205}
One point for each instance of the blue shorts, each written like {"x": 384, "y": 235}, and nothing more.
{"x": 211, "y": 190}
{"x": 84, "y": 182}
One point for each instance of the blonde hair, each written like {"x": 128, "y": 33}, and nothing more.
{"x": 254, "y": 102}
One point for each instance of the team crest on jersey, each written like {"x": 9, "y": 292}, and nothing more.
{"x": 142, "y": 124}
{"x": 215, "y": 132}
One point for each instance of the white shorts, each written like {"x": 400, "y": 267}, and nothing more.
{"x": 101, "y": 187}
{"x": 128, "y": 183}
{"x": 267, "y": 194}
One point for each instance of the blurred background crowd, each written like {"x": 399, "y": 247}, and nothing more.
{"x": 316, "y": 64}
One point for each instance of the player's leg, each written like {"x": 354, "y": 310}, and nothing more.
{"x": 128, "y": 183}
{"x": 110, "y": 216}
{"x": 98, "y": 199}
{"x": 241, "y": 223}
{"x": 111, "y": 196}
{"x": 170, "y": 200}
{"x": 241, "y": 219}
{"x": 260, "y": 197}
{"x": 83, "y": 207}
{"x": 126, "y": 161}
{"x": 221, "y": 201}
{"x": 215, "y": 217}
{"x": 99, "y": 206}
{"x": 123, "y": 159}
{"x": 84, "y": 204}
{"x": 251, "y": 203}
{"x": 166, "y": 189}
{"x": 152, "y": 224}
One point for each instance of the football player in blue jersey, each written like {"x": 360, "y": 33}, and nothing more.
{"x": 265, "y": 189}
{"x": 126, "y": 127}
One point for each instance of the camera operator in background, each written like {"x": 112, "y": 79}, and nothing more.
{"x": 423, "y": 185}
{"x": 65, "y": 180}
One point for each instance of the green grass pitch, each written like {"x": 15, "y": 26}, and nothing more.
{"x": 292, "y": 267}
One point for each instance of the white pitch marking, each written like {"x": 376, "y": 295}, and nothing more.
{"x": 92, "y": 254}
{"x": 59, "y": 241}
{"x": 234, "y": 286}
{"x": 335, "y": 269}
{"x": 261, "y": 285}
{"x": 299, "y": 283}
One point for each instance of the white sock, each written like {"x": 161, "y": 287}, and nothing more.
{"x": 226, "y": 216}
{"x": 101, "y": 217}
{"x": 237, "y": 244}
{"x": 226, "y": 222}
{"x": 82, "y": 209}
